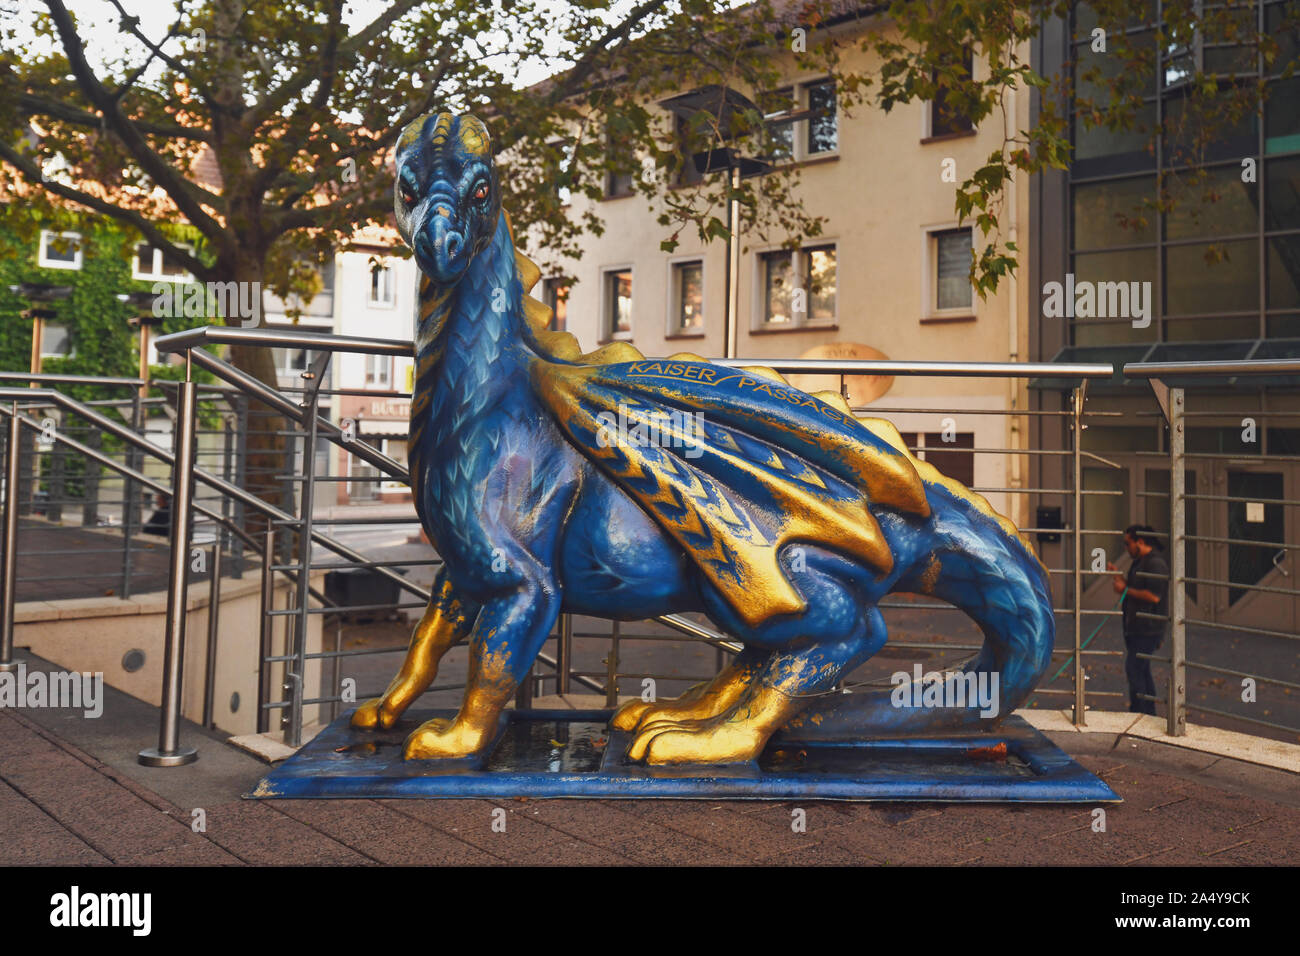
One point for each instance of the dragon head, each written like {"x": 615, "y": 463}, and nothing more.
{"x": 446, "y": 197}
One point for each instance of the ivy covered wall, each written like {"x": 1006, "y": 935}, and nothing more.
{"x": 102, "y": 341}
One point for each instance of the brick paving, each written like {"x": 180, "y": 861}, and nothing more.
{"x": 61, "y": 805}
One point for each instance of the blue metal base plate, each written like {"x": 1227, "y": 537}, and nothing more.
{"x": 567, "y": 753}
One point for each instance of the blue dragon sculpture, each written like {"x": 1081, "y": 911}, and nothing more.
{"x": 777, "y": 513}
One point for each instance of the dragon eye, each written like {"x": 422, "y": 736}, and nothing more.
{"x": 408, "y": 197}
{"x": 481, "y": 192}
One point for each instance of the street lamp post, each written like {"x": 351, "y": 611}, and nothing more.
{"x": 145, "y": 321}
{"x": 43, "y": 296}
{"x": 724, "y": 106}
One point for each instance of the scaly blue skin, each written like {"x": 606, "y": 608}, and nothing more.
{"x": 529, "y": 527}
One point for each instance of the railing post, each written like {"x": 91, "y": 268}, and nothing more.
{"x": 225, "y": 537}
{"x": 169, "y": 753}
{"x": 1177, "y": 566}
{"x": 524, "y": 694}
{"x": 131, "y": 494}
{"x": 241, "y": 476}
{"x": 564, "y": 654}
{"x": 311, "y": 402}
{"x": 214, "y": 622}
{"x": 58, "y": 483}
{"x": 265, "y": 634}
{"x": 1078, "y": 398}
{"x": 611, "y": 668}
{"x": 9, "y": 542}
{"x": 90, "y": 482}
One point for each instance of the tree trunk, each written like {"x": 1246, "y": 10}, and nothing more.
{"x": 268, "y": 455}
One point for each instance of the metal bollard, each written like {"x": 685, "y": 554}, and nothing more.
{"x": 9, "y": 546}
{"x": 169, "y": 753}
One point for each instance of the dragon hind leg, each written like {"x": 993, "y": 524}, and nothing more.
{"x": 786, "y": 683}
{"x": 704, "y": 700}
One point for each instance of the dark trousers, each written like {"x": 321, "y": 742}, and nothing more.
{"x": 1138, "y": 671}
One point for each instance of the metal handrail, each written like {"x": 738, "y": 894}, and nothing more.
{"x": 1218, "y": 368}
{"x": 277, "y": 338}
{"x": 1079, "y": 370}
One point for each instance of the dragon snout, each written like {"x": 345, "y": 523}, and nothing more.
{"x": 441, "y": 247}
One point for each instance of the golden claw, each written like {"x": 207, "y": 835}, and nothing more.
{"x": 634, "y": 712}
{"x": 735, "y": 736}
{"x": 718, "y": 742}
{"x": 442, "y": 739}
{"x": 629, "y": 715}
{"x": 373, "y": 715}
{"x": 646, "y": 732}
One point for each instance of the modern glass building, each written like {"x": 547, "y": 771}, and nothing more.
{"x": 1215, "y": 276}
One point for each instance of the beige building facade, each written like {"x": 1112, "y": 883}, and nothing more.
{"x": 889, "y": 271}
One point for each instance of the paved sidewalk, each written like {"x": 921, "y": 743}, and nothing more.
{"x": 86, "y": 801}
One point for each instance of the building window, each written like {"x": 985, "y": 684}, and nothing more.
{"x": 950, "y": 251}
{"x": 59, "y": 250}
{"x": 151, "y": 263}
{"x": 293, "y": 361}
{"x": 55, "y": 341}
{"x": 381, "y": 283}
{"x": 378, "y": 369}
{"x": 777, "y": 103}
{"x": 555, "y": 294}
{"x": 797, "y": 288}
{"x": 816, "y": 130}
{"x": 776, "y": 273}
{"x": 618, "y": 184}
{"x": 687, "y": 298}
{"x": 823, "y": 128}
{"x": 947, "y": 119}
{"x": 618, "y": 304}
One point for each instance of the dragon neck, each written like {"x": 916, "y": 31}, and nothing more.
{"x": 468, "y": 338}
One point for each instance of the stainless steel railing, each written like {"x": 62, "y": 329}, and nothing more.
{"x": 1172, "y": 400}
{"x": 301, "y": 411}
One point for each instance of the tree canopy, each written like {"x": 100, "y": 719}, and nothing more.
{"x": 267, "y": 127}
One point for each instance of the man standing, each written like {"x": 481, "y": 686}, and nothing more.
{"x": 1147, "y": 582}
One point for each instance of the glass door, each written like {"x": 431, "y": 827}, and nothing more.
{"x": 1254, "y": 564}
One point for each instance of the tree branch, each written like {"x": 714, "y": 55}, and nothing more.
{"x": 133, "y": 27}
{"x": 139, "y": 71}
{"x": 281, "y": 95}
{"x": 177, "y": 186}
{"x": 32, "y": 105}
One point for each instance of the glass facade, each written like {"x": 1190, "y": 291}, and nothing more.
{"x": 1211, "y": 220}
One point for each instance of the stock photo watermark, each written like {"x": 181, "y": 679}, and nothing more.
{"x": 58, "y": 690}
{"x": 195, "y": 300}
{"x": 946, "y": 689}
{"x": 676, "y": 429}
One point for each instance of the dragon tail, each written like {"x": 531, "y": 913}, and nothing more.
{"x": 993, "y": 577}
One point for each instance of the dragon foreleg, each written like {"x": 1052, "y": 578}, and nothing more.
{"x": 508, "y": 633}
{"x": 446, "y": 620}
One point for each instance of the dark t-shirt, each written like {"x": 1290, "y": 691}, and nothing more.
{"x": 1150, "y": 573}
